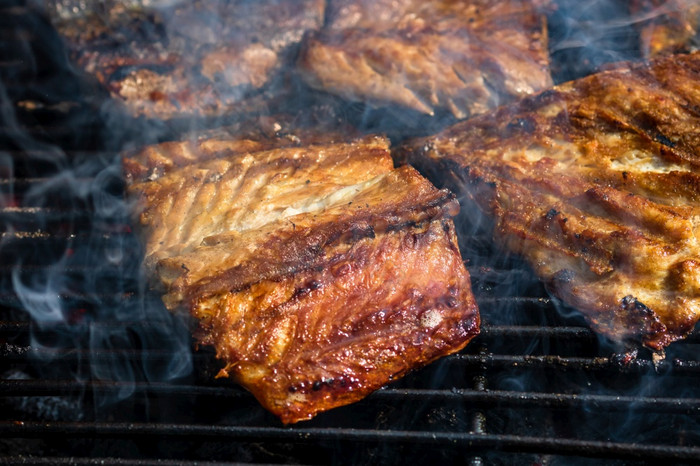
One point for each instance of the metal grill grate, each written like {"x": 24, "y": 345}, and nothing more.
{"x": 103, "y": 382}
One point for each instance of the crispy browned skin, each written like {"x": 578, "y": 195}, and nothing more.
{"x": 596, "y": 184}
{"x": 325, "y": 337}
{"x": 200, "y": 58}
{"x": 459, "y": 56}
{"x": 318, "y": 273}
{"x": 666, "y": 26}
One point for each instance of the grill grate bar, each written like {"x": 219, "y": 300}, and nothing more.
{"x": 8, "y": 298}
{"x": 514, "y": 300}
{"x": 501, "y": 398}
{"x": 21, "y": 326}
{"x": 490, "y": 331}
{"x": 36, "y": 217}
{"x": 470, "y": 441}
{"x": 481, "y": 361}
{"x": 575, "y": 363}
{"x": 12, "y": 300}
{"x": 20, "y": 185}
{"x": 73, "y": 460}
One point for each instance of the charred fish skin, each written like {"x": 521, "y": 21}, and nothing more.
{"x": 318, "y": 272}
{"x": 190, "y": 58}
{"x": 594, "y": 182}
{"x": 461, "y": 57}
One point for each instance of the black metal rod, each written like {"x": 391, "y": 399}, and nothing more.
{"x": 488, "y": 361}
{"x": 486, "y": 398}
{"x": 468, "y": 441}
{"x": 73, "y": 460}
{"x": 573, "y": 363}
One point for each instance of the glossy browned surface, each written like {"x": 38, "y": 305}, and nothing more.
{"x": 460, "y": 56}
{"x": 326, "y": 337}
{"x": 199, "y": 58}
{"x": 596, "y": 184}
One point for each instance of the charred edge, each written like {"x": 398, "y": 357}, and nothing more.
{"x": 629, "y": 302}
{"x": 442, "y": 204}
{"x": 647, "y": 125}
{"x": 551, "y": 213}
{"x": 563, "y": 277}
{"x": 310, "y": 286}
{"x": 691, "y": 108}
{"x": 642, "y": 321}
{"x": 660, "y": 138}
{"x": 544, "y": 98}
{"x": 521, "y": 125}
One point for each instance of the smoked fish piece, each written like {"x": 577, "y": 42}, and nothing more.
{"x": 318, "y": 273}
{"x": 595, "y": 183}
{"x": 460, "y": 57}
{"x": 190, "y": 59}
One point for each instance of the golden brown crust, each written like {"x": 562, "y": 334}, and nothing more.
{"x": 595, "y": 183}
{"x": 329, "y": 336}
{"x": 463, "y": 56}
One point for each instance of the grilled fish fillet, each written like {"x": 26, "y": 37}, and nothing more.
{"x": 318, "y": 273}
{"x": 595, "y": 182}
{"x": 460, "y": 56}
{"x": 195, "y": 59}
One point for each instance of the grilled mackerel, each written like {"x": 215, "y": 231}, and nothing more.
{"x": 193, "y": 59}
{"x": 457, "y": 56}
{"x": 318, "y": 273}
{"x": 595, "y": 182}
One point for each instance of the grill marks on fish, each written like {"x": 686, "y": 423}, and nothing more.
{"x": 318, "y": 272}
{"x": 595, "y": 183}
{"x": 463, "y": 57}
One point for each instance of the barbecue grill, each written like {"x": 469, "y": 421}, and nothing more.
{"x": 94, "y": 370}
